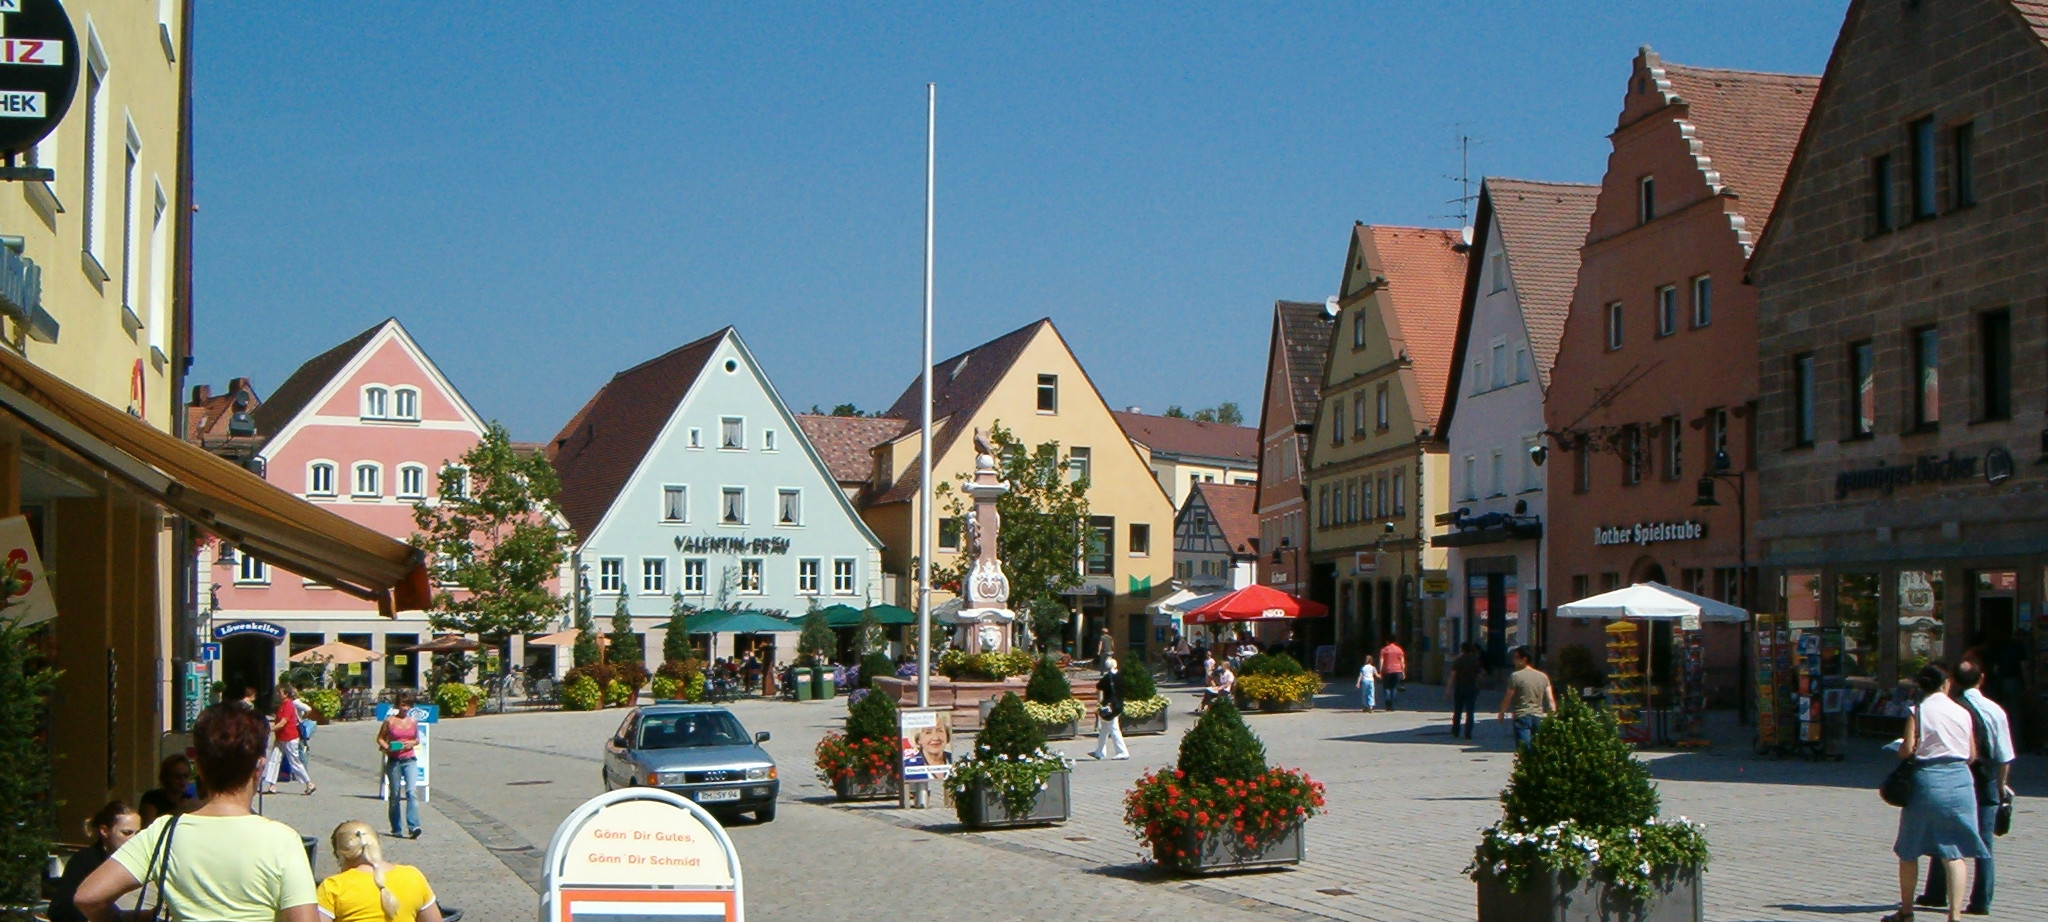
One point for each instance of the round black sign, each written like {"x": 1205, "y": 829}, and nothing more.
{"x": 38, "y": 71}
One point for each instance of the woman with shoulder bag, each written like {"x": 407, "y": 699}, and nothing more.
{"x": 398, "y": 738}
{"x": 1109, "y": 735}
{"x": 1940, "y": 817}
{"x": 220, "y": 862}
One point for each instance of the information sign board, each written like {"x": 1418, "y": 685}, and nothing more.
{"x": 39, "y": 59}
{"x": 426, "y": 715}
{"x": 638, "y": 855}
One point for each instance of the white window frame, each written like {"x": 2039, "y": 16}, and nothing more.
{"x": 845, "y": 575}
{"x": 1047, "y": 385}
{"x": 158, "y": 321}
{"x": 1498, "y": 262}
{"x": 355, "y": 480}
{"x": 1497, "y": 352}
{"x": 767, "y": 440}
{"x": 1521, "y": 364}
{"x": 1532, "y": 476}
{"x": 460, "y": 479}
{"x": 611, "y": 575}
{"x": 695, "y": 578}
{"x": 754, "y": 583}
{"x": 1382, "y": 411}
{"x": 809, "y": 576}
{"x": 1667, "y": 309}
{"x": 93, "y": 216}
{"x": 375, "y": 402}
{"x": 313, "y": 469}
{"x": 251, "y": 571}
{"x": 1497, "y": 471}
{"x": 679, "y": 490}
{"x": 725, "y": 495}
{"x": 696, "y": 439}
{"x": 131, "y": 221}
{"x": 1400, "y": 489}
{"x": 654, "y": 576}
{"x": 1471, "y": 478}
{"x": 1614, "y": 327}
{"x": 399, "y": 395}
{"x": 1080, "y": 463}
{"x": 1646, "y": 199}
{"x": 1478, "y": 380}
{"x": 1131, "y": 544}
{"x": 783, "y": 496}
{"x": 1702, "y": 301}
{"x": 732, "y": 433}
{"x": 412, "y": 481}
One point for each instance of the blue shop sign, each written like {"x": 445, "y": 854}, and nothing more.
{"x": 238, "y": 628}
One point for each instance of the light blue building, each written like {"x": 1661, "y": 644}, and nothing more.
{"x": 687, "y": 473}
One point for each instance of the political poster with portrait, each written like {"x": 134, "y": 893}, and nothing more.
{"x": 927, "y": 735}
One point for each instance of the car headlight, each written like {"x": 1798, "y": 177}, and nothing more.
{"x": 665, "y": 779}
{"x": 761, "y": 774}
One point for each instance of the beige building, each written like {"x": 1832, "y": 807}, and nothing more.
{"x": 1029, "y": 382}
{"x": 1185, "y": 453}
{"x": 1376, "y": 473}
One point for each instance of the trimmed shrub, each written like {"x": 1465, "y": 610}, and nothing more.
{"x": 455, "y": 698}
{"x": 1136, "y": 682}
{"x": 873, "y": 717}
{"x": 873, "y": 666}
{"x": 1578, "y": 769}
{"x": 1009, "y": 732}
{"x": 1048, "y": 684}
{"x": 1221, "y": 747}
{"x": 619, "y": 694}
{"x": 580, "y": 694}
{"x": 1271, "y": 664}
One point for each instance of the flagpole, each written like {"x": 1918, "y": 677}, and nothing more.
{"x": 924, "y": 436}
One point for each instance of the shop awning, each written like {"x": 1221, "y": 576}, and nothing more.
{"x": 239, "y": 507}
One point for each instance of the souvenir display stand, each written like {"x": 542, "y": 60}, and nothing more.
{"x": 1628, "y": 611}
{"x": 1820, "y": 694}
{"x": 1625, "y": 680}
{"x": 1775, "y": 720}
{"x": 1689, "y": 650}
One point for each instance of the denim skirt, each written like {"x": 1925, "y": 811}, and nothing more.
{"x": 1940, "y": 821}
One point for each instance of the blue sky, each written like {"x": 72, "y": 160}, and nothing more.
{"x": 547, "y": 195}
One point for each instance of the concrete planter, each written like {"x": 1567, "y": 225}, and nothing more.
{"x": 1551, "y": 897}
{"x": 1277, "y": 707}
{"x": 1150, "y": 726}
{"x": 1218, "y": 852}
{"x": 850, "y": 789}
{"x": 1058, "y": 731}
{"x": 981, "y": 807}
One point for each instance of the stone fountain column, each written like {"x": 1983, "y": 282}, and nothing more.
{"x": 984, "y": 623}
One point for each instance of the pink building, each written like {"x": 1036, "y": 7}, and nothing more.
{"x": 365, "y": 429}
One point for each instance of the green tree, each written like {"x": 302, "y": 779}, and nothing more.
{"x": 1045, "y": 518}
{"x": 586, "y": 652}
{"x": 1175, "y": 412}
{"x": 491, "y": 535}
{"x": 625, "y": 644}
{"x": 1009, "y": 731}
{"x": 675, "y": 644}
{"x": 816, "y": 640}
{"x": 873, "y": 717}
{"x": 1578, "y": 768}
{"x": 1048, "y": 684}
{"x": 1221, "y": 746}
{"x": 1204, "y": 416}
{"x": 27, "y": 820}
{"x": 1228, "y": 413}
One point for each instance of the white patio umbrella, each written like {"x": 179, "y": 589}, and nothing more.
{"x": 1653, "y": 602}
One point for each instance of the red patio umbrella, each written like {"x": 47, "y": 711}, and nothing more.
{"x": 1255, "y": 603}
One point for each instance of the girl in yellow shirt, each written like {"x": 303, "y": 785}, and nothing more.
{"x": 370, "y": 889}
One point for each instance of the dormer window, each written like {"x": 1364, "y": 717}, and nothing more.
{"x": 732, "y": 433}
{"x": 405, "y": 403}
{"x": 376, "y": 402}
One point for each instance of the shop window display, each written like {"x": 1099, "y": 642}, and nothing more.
{"x": 1856, "y": 615}
{"x": 1922, "y": 622}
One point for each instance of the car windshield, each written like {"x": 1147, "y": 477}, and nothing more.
{"x": 678, "y": 731}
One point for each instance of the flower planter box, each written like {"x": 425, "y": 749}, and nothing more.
{"x": 982, "y": 807}
{"x": 1223, "y": 852}
{"x": 1277, "y": 707}
{"x": 1150, "y": 726}
{"x": 1550, "y": 897}
{"x": 1059, "y": 731}
{"x": 850, "y": 789}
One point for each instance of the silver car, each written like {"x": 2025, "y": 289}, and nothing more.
{"x": 697, "y": 750}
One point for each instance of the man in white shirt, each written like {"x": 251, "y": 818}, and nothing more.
{"x": 1994, "y": 735}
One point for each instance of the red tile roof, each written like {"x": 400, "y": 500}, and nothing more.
{"x": 1186, "y": 437}
{"x": 307, "y": 381}
{"x": 847, "y": 442}
{"x": 1425, "y": 270}
{"x": 1234, "y": 507}
{"x": 207, "y": 421}
{"x": 960, "y": 385}
{"x": 2035, "y": 12}
{"x": 1542, "y": 227}
{"x": 597, "y": 452}
{"x": 1748, "y": 125}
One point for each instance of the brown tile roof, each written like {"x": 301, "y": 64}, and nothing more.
{"x": 2035, "y": 12}
{"x": 597, "y": 452}
{"x": 1748, "y": 126}
{"x": 305, "y": 383}
{"x": 1187, "y": 437}
{"x": 1425, "y": 270}
{"x": 847, "y": 442}
{"x": 1234, "y": 506}
{"x": 206, "y": 421}
{"x": 960, "y": 385}
{"x": 1542, "y": 227}
{"x": 1303, "y": 330}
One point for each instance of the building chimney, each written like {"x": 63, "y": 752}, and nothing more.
{"x": 201, "y": 393}
{"x": 237, "y": 385}
{"x": 1133, "y": 410}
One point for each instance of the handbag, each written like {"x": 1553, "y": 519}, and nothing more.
{"x": 2003, "y": 824}
{"x": 1897, "y": 788}
{"x": 1105, "y": 712}
{"x": 158, "y": 873}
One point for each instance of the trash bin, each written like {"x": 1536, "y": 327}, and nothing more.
{"x": 826, "y": 685}
{"x": 803, "y": 684}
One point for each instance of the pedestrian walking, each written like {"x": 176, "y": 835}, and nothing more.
{"x": 1109, "y": 732}
{"x": 288, "y": 746}
{"x": 1940, "y": 817}
{"x": 221, "y": 862}
{"x": 1991, "y": 774}
{"x": 1463, "y": 689}
{"x": 370, "y": 889}
{"x": 1368, "y": 681}
{"x": 1529, "y": 696}
{"x": 1393, "y": 667}
{"x": 1105, "y": 646}
{"x": 398, "y": 739}
{"x": 105, "y": 833}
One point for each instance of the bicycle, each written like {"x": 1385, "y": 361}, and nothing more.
{"x": 496, "y": 690}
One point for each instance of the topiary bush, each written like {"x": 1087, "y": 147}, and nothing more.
{"x": 1009, "y": 732}
{"x": 1221, "y": 747}
{"x": 874, "y": 666}
{"x": 1271, "y": 664}
{"x": 873, "y": 717}
{"x": 1136, "y": 683}
{"x": 1049, "y": 685}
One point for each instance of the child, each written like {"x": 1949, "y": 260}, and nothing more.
{"x": 369, "y": 889}
{"x": 1368, "y": 682}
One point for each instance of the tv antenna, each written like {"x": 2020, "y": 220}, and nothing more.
{"x": 1464, "y": 180}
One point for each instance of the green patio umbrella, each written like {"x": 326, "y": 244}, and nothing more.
{"x": 893, "y": 614}
{"x": 841, "y": 615}
{"x": 753, "y": 622}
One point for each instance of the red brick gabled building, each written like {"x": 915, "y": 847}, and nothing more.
{"x": 1656, "y": 374}
{"x": 1294, "y": 378}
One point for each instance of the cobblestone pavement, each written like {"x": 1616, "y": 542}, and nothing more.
{"x": 1793, "y": 841}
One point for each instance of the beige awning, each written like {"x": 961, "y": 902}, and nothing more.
{"x": 334, "y": 652}
{"x": 241, "y": 508}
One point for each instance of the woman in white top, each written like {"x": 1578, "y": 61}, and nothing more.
{"x": 1940, "y": 821}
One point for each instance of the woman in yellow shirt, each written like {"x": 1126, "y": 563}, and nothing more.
{"x": 370, "y": 889}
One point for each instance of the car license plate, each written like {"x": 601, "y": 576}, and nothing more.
{"x": 712, "y": 797}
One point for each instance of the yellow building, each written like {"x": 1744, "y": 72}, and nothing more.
{"x": 1029, "y": 382}
{"x": 90, "y": 416}
{"x": 1376, "y": 474}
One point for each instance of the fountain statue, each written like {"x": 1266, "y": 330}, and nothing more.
{"x": 984, "y": 622}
